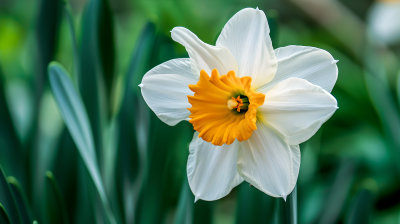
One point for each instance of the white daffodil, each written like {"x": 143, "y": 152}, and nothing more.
{"x": 254, "y": 110}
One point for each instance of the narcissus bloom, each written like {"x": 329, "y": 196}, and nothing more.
{"x": 250, "y": 105}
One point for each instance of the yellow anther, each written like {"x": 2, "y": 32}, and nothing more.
{"x": 232, "y": 103}
{"x": 235, "y": 103}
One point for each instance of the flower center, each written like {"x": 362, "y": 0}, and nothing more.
{"x": 224, "y": 108}
{"x": 238, "y": 103}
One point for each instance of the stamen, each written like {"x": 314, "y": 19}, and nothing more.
{"x": 232, "y": 103}
{"x": 237, "y": 103}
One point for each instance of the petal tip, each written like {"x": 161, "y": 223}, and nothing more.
{"x": 284, "y": 197}
{"x": 196, "y": 199}
{"x": 335, "y": 61}
{"x": 140, "y": 85}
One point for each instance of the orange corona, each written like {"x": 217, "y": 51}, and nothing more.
{"x": 224, "y": 108}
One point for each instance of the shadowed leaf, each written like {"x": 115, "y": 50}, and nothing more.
{"x": 4, "y": 216}
{"x": 68, "y": 15}
{"x": 55, "y": 210}
{"x": 273, "y": 20}
{"x": 20, "y": 199}
{"x": 338, "y": 192}
{"x": 7, "y": 199}
{"x": 288, "y": 208}
{"x": 76, "y": 120}
{"x": 131, "y": 158}
{"x": 184, "y": 214}
{"x": 48, "y": 24}
{"x": 360, "y": 208}
{"x": 253, "y": 205}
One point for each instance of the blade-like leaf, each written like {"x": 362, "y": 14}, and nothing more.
{"x": 360, "y": 208}
{"x": 97, "y": 62}
{"x": 160, "y": 185}
{"x": 184, "y": 214}
{"x": 131, "y": 158}
{"x": 9, "y": 159}
{"x": 106, "y": 45}
{"x": 68, "y": 15}
{"x": 338, "y": 192}
{"x": 4, "y": 218}
{"x": 76, "y": 120}
{"x": 288, "y": 208}
{"x": 47, "y": 31}
{"x": 20, "y": 199}
{"x": 254, "y": 206}
{"x": 385, "y": 104}
{"x": 90, "y": 85}
{"x": 273, "y": 19}
{"x": 55, "y": 209}
{"x": 7, "y": 199}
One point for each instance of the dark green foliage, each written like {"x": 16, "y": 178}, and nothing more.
{"x": 288, "y": 208}
{"x": 8, "y": 137}
{"x": 7, "y": 200}
{"x": 254, "y": 206}
{"x": 21, "y": 200}
{"x": 55, "y": 205}
{"x": 360, "y": 210}
{"x": 116, "y": 162}
{"x": 131, "y": 153}
{"x": 4, "y": 216}
{"x": 48, "y": 24}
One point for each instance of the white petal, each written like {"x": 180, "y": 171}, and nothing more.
{"x": 165, "y": 90}
{"x": 268, "y": 163}
{"x": 296, "y": 109}
{"x": 312, "y": 64}
{"x": 211, "y": 169}
{"x": 246, "y": 35}
{"x": 204, "y": 56}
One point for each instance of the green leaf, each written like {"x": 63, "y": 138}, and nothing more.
{"x": 35, "y": 222}
{"x": 131, "y": 160}
{"x": 68, "y": 15}
{"x": 398, "y": 88}
{"x": 48, "y": 25}
{"x": 338, "y": 192}
{"x": 159, "y": 189}
{"x": 382, "y": 98}
{"x": 288, "y": 208}
{"x": 203, "y": 212}
{"x": 273, "y": 20}
{"x": 97, "y": 51}
{"x": 20, "y": 199}
{"x": 7, "y": 199}
{"x": 360, "y": 208}
{"x": 9, "y": 159}
{"x": 105, "y": 34}
{"x": 92, "y": 81}
{"x": 76, "y": 120}
{"x": 254, "y": 206}
{"x": 185, "y": 210}
{"x": 55, "y": 204}
{"x": 4, "y": 218}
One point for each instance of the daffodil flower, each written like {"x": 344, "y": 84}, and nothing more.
{"x": 250, "y": 105}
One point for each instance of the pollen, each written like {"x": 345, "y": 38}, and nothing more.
{"x": 224, "y": 108}
{"x": 235, "y": 103}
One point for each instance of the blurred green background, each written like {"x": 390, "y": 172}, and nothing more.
{"x": 121, "y": 164}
